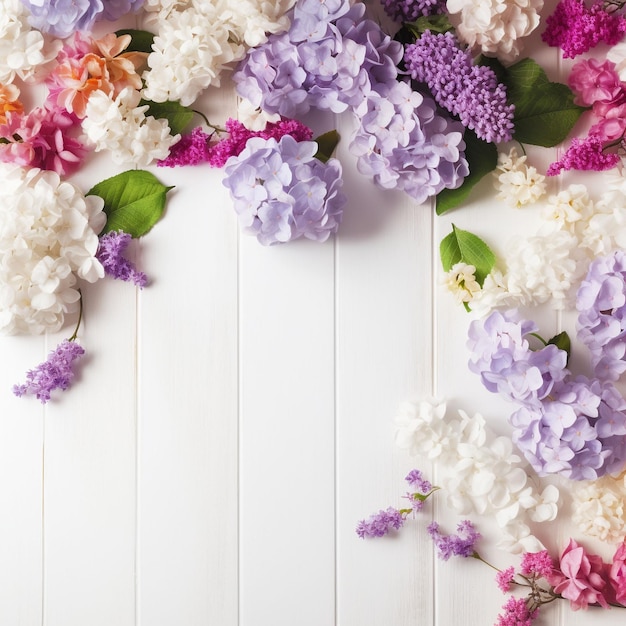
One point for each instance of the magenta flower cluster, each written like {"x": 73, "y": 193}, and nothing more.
{"x": 601, "y": 304}
{"x": 282, "y": 192}
{"x": 564, "y": 424}
{"x": 471, "y": 92}
{"x": 54, "y": 373}
{"x": 61, "y": 18}
{"x": 576, "y": 28}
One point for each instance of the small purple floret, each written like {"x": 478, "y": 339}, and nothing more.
{"x": 111, "y": 254}
{"x": 380, "y": 523}
{"x": 461, "y": 544}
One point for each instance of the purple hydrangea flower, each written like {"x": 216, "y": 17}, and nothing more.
{"x": 380, "y": 524}
{"x": 410, "y": 10}
{"x": 114, "y": 9}
{"x": 472, "y": 92}
{"x": 110, "y": 253}
{"x": 282, "y": 192}
{"x": 461, "y": 544}
{"x": 329, "y": 59}
{"x": 601, "y": 303}
{"x": 54, "y": 373}
{"x": 576, "y": 28}
{"x": 61, "y": 18}
{"x": 403, "y": 143}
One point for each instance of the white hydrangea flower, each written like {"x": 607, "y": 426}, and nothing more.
{"x": 496, "y": 293}
{"x": 23, "y": 50}
{"x": 197, "y": 40}
{"x": 121, "y": 127}
{"x": 48, "y": 238}
{"x": 568, "y": 210}
{"x": 461, "y": 282}
{"x": 617, "y": 54}
{"x": 495, "y": 26}
{"x": 517, "y": 538}
{"x": 517, "y": 183}
{"x": 252, "y": 117}
{"x": 599, "y": 508}
{"x": 605, "y": 230}
{"x": 478, "y": 470}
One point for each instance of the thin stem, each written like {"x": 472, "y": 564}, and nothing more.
{"x": 80, "y": 316}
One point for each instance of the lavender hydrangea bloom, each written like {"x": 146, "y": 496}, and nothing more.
{"x": 403, "y": 143}
{"x": 329, "y": 59}
{"x": 461, "y": 544}
{"x": 472, "y": 92}
{"x": 110, "y": 253}
{"x": 61, "y": 18}
{"x": 114, "y": 9}
{"x": 380, "y": 524}
{"x": 601, "y": 302}
{"x": 410, "y": 10}
{"x": 282, "y": 192}
{"x": 54, "y": 373}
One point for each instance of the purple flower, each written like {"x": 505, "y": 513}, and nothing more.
{"x": 380, "y": 523}
{"x": 54, "y": 373}
{"x": 282, "y": 192}
{"x": 114, "y": 9}
{"x": 461, "y": 544}
{"x": 410, "y": 10}
{"x": 61, "y": 18}
{"x": 110, "y": 253}
{"x": 469, "y": 91}
{"x": 575, "y": 28}
{"x": 416, "y": 480}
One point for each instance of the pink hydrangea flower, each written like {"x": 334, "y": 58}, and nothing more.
{"x": 617, "y": 574}
{"x": 582, "y": 578}
{"x": 594, "y": 81}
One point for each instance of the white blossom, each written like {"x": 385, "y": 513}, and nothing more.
{"x": 495, "y": 26}
{"x": 48, "y": 239}
{"x": 461, "y": 281}
{"x": 121, "y": 127}
{"x": 517, "y": 183}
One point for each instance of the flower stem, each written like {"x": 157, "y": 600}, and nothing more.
{"x": 80, "y": 316}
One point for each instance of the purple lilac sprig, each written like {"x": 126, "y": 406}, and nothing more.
{"x": 564, "y": 424}
{"x": 471, "y": 92}
{"x": 111, "y": 249}
{"x": 462, "y": 544}
{"x": 410, "y": 10}
{"x": 382, "y": 523}
{"x": 601, "y": 304}
{"x": 282, "y": 192}
{"x": 576, "y": 28}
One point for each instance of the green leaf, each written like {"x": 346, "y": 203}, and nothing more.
{"x": 461, "y": 246}
{"x": 433, "y": 23}
{"x": 563, "y": 342}
{"x": 482, "y": 158}
{"x": 326, "y": 145}
{"x": 134, "y": 201}
{"x": 177, "y": 115}
{"x": 545, "y": 112}
{"x": 141, "y": 40}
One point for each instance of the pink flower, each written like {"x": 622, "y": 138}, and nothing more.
{"x": 617, "y": 574}
{"x": 516, "y": 613}
{"x": 538, "y": 564}
{"x": 582, "y": 578}
{"x": 595, "y": 81}
{"x": 505, "y": 578}
{"x": 587, "y": 154}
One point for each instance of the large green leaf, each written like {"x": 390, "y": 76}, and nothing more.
{"x": 461, "y": 246}
{"x": 140, "y": 40}
{"x": 134, "y": 201}
{"x": 177, "y": 115}
{"x": 482, "y": 158}
{"x": 326, "y": 145}
{"x": 545, "y": 112}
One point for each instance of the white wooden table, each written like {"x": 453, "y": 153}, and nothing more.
{"x": 233, "y": 421}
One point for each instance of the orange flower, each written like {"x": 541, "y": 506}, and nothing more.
{"x": 9, "y": 95}
{"x": 122, "y": 67}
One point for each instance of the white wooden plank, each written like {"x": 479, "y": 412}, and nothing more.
{"x": 384, "y": 356}
{"x": 188, "y": 402}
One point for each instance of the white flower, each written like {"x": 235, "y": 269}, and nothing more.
{"x": 517, "y": 538}
{"x": 599, "y": 508}
{"x": 517, "y": 183}
{"x": 121, "y": 127}
{"x": 23, "y": 50}
{"x": 495, "y": 26}
{"x": 461, "y": 281}
{"x": 253, "y": 117}
{"x": 546, "y": 507}
{"x": 617, "y": 54}
{"x": 568, "y": 210}
{"x": 48, "y": 238}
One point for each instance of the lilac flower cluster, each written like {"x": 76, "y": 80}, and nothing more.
{"x": 282, "y": 192}
{"x": 472, "y": 92}
{"x": 422, "y": 489}
{"x": 601, "y": 302}
{"x": 329, "y": 59}
{"x": 410, "y": 10}
{"x": 61, "y": 18}
{"x": 576, "y": 28}
{"x": 54, "y": 373}
{"x": 381, "y": 523}
{"x": 568, "y": 425}
{"x": 461, "y": 544}
{"x": 585, "y": 154}
{"x": 402, "y": 142}
{"x": 111, "y": 248}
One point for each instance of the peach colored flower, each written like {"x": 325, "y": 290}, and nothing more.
{"x": 9, "y": 95}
